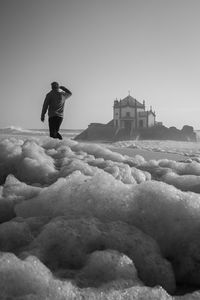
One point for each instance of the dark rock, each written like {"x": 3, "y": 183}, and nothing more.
{"x": 107, "y": 132}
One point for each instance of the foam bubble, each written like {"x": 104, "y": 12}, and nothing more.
{"x": 106, "y": 266}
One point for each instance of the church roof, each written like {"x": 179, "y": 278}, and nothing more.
{"x": 130, "y": 101}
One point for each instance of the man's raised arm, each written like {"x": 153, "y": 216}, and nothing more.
{"x": 66, "y": 90}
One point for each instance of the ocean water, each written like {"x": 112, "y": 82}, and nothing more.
{"x": 20, "y": 132}
{"x": 83, "y": 221}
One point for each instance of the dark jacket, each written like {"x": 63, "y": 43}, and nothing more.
{"x": 55, "y": 102}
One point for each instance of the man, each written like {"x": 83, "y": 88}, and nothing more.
{"x": 55, "y": 102}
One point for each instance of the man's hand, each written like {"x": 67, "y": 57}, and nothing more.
{"x": 62, "y": 87}
{"x": 42, "y": 118}
{"x": 65, "y": 90}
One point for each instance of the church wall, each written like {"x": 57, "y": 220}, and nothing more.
{"x": 128, "y": 109}
{"x": 144, "y": 122}
{"x": 116, "y": 115}
{"x": 151, "y": 120}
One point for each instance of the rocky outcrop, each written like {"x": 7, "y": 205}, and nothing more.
{"x": 164, "y": 133}
{"x": 98, "y": 131}
{"x": 107, "y": 132}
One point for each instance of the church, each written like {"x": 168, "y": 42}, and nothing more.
{"x": 131, "y": 120}
{"x": 131, "y": 115}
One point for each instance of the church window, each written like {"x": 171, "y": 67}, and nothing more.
{"x": 141, "y": 123}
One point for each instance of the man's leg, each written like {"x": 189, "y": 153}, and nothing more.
{"x": 52, "y": 127}
{"x": 59, "y": 136}
{"x": 57, "y": 126}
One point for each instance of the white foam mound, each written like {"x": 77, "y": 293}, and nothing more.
{"x": 162, "y": 211}
{"x": 183, "y": 182}
{"x": 35, "y": 164}
{"x": 14, "y": 235}
{"x": 30, "y": 279}
{"x": 183, "y": 175}
{"x": 89, "y": 214}
{"x": 99, "y": 151}
{"x": 16, "y": 190}
{"x": 73, "y": 239}
{"x": 44, "y": 162}
{"x": 99, "y": 195}
{"x": 108, "y": 265}
{"x": 26, "y": 160}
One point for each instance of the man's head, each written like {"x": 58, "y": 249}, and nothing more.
{"x": 55, "y": 86}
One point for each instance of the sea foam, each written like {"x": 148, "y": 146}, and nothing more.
{"x": 81, "y": 221}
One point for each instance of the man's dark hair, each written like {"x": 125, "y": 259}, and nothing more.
{"x": 54, "y": 84}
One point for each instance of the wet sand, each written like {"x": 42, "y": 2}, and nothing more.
{"x": 149, "y": 155}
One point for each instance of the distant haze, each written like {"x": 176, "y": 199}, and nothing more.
{"x": 100, "y": 49}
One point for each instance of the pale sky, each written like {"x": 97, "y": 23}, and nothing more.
{"x": 100, "y": 49}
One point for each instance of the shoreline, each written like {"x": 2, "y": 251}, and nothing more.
{"x": 148, "y": 154}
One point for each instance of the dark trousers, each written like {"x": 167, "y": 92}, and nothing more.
{"x": 54, "y": 126}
